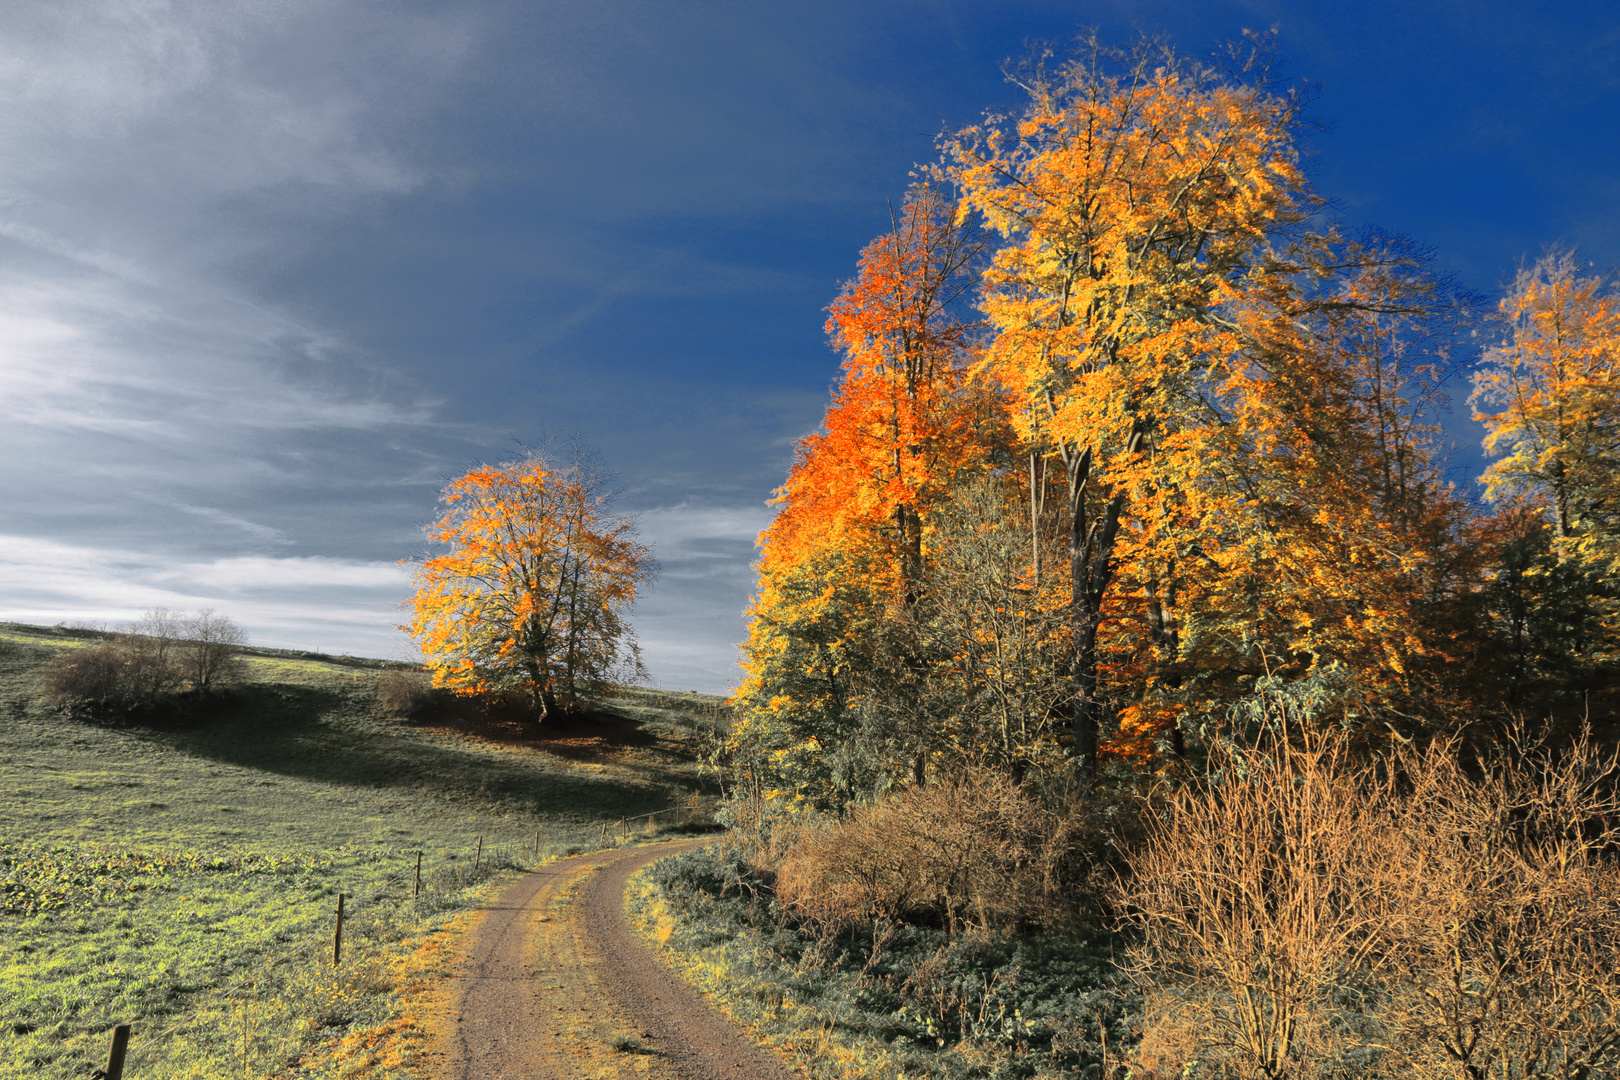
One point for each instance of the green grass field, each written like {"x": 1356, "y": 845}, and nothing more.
{"x": 182, "y": 875}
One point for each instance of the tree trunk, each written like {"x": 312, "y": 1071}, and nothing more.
{"x": 1091, "y": 547}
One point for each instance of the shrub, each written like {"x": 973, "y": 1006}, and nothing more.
{"x": 1504, "y": 961}
{"x": 1305, "y": 914}
{"x": 161, "y": 657}
{"x": 405, "y": 693}
{"x": 89, "y": 676}
{"x": 210, "y": 651}
{"x": 1260, "y": 893}
{"x": 975, "y": 853}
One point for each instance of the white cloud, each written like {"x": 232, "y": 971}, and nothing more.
{"x": 692, "y": 619}
{"x": 334, "y": 605}
{"x": 233, "y": 95}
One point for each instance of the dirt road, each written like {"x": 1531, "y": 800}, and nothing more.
{"x": 554, "y": 985}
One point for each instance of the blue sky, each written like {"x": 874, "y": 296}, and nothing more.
{"x": 271, "y": 271}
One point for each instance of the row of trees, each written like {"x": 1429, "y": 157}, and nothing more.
{"x": 1124, "y": 434}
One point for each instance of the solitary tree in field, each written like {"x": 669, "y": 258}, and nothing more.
{"x": 532, "y": 594}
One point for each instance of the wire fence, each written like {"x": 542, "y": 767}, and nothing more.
{"x": 249, "y": 1022}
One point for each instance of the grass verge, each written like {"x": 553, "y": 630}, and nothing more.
{"x": 887, "y": 1003}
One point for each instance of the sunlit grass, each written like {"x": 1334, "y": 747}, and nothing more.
{"x": 182, "y": 876}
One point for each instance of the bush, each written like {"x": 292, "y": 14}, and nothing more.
{"x": 1305, "y": 914}
{"x": 405, "y": 693}
{"x": 978, "y": 853}
{"x": 1260, "y": 894}
{"x": 91, "y": 675}
{"x": 160, "y": 658}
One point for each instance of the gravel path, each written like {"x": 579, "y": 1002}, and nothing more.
{"x": 553, "y": 977}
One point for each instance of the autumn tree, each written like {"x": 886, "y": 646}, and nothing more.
{"x": 1239, "y": 481}
{"x": 1549, "y": 397}
{"x": 532, "y": 595}
{"x": 1137, "y": 202}
{"x": 843, "y": 559}
{"x": 1224, "y": 422}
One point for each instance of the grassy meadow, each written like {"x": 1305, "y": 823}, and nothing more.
{"x": 182, "y": 874}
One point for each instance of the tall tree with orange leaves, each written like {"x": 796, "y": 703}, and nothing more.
{"x": 1137, "y": 200}
{"x": 848, "y": 548}
{"x": 1233, "y": 414}
{"x": 531, "y": 596}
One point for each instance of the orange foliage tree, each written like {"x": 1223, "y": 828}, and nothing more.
{"x": 1162, "y": 326}
{"x": 1137, "y": 205}
{"x": 1228, "y": 425}
{"x": 532, "y": 594}
{"x": 846, "y": 553}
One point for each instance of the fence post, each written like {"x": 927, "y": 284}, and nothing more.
{"x": 337, "y": 936}
{"x": 115, "y": 1055}
{"x": 478, "y": 858}
{"x": 418, "y": 891}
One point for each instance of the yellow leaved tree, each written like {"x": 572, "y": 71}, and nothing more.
{"x": 1161, "y": 322}
{"x": 531, "y": 596}
{"x": 1549, "y": 397}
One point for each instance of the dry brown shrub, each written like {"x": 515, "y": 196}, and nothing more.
{"x": 405, "y": 693}
{"x": 976, "y": 854}
{"x": 1507, "y": 959}
{"x": 162, "y": 658}
{"x": 126, "y": 674}
{"x": 85, "y": 676}
{"x": 1307, "y": 914}
{"x": 1262, "y": 896}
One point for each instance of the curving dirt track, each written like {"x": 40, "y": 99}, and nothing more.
{"x": 552, "y": 979}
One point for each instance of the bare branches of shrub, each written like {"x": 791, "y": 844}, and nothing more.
{"x": 1507, "y": 959}
{"x": 159, "y": 658}
{"x": 1261, "y": 896}
{"x": 1305, "y": 914}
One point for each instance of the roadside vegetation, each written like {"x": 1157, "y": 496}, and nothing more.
{"x": 178, "y": 867}
{"x": 1124, "y": 602}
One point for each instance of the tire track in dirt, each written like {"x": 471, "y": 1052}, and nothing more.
{"x": 552, "y": 973}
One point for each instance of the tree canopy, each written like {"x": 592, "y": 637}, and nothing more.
{"x": 532, "y": 595}
{"x": 1125, "y": 435}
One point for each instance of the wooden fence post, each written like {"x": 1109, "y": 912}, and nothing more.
{"x": 418, "y": 891}
{"x": 478, "y": 858}
{"x": 337, "y": 936}
{"x": 115, "y": 1055}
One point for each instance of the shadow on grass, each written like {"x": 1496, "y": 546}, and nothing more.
{"x": 333, "y": 736}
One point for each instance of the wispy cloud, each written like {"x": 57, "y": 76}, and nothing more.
{"x": 304, "y": 603}
{"x": 692, "y": 619}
